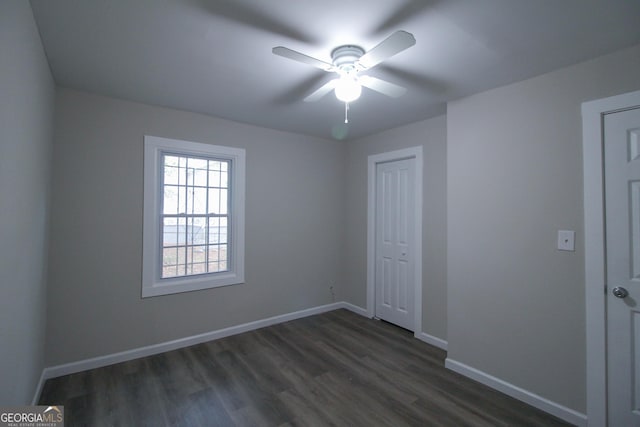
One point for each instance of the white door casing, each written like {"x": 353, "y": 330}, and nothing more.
{"x": 593, "y": 119}
{"x": 622, "y": 218}
{"x": 394, "y": 281}
{"x": 414, "y": 153}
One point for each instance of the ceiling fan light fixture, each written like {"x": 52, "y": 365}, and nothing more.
{"x": 349, "y": 60}
{"x": 348, "y": 89}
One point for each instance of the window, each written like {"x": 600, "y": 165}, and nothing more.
{"x": 193, "y": 232}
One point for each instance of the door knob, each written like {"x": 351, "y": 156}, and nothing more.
{"x": 620, "y": 292}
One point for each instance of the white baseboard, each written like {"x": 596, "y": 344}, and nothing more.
{"x": 430, "y": 339}
{"x": 546, "y": 405}
{"x": 354, "y": 308}
{"x": 123, "y": 356}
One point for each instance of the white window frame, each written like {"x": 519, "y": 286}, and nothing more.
{"x": 152, "y": 284}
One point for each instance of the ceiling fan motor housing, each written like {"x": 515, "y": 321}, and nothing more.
{"x": 344, "y": 57}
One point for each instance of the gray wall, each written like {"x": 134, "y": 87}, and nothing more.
{"x": 514, "y": 176}
{"x": 294, "y": 223}
{"x": 26, "y": 123}
{"x": 431, "y": 135}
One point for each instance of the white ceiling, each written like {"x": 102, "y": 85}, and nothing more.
{"x": 214, "y": 56}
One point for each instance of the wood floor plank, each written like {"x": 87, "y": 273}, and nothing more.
{"x": 333, "y": 369}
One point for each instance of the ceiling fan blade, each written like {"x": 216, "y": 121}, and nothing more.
{"x": 384, "y": 87}
{"x": 395, "y": 43}
{"x": 301, "y": 57}
{"x": 322, "y": 91}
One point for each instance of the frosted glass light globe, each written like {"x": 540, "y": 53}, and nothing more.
{"x": 348, "y": 89}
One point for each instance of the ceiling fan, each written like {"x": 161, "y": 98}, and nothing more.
{"x": 348, "y": 61}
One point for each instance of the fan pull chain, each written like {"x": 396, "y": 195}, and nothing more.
{"x": 346, "y": 112}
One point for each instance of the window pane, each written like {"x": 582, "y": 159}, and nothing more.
{"x": 190, "y": 231}
{"x": 214, "y": 201}
{"x": 182, "y": 200}
{"x": 170, "y": 160}
{"x": 199, "y": 268}
{"x": 214, "y": 178}
{"x": 217, "y": 233}
{"x": 223, "y": 202}
{"x": 182, "y": 171}
{"x": 217, "y": 258}
{"x": 181, "y": 270}
{"x": 169, "y": 261}
{"x": 170, "y": 200}
{"x": 214, "y": 165}
{"x": 169, "y": 272}
{"x": 213, "y": 252}
{"x": 171, "y": 175}
{"x": 197, "y": 231}
{"x": 224, "y": 179}
{"x": 182, "y": 255}
{"x": 196, "y": 260}
{"x": 196, "y": 254}
{"x": 213, "y": 229}
{"x": 170, "y": 232}
{"x": 196, "y": 163}
{"x": 196, "y": 200}
{"x": 169, "y": 256}
{"x": 223, "y": 231}
{"x": 200, "y": 177}
{"x": 181, "y": 231}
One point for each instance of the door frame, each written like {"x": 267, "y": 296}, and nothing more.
{"x": 593, "y": 113}
{"x": 373, "y": 161}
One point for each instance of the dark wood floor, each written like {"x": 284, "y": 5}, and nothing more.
{"x": 336, "y": 368}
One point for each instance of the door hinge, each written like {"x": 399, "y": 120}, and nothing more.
{"x": 605, "y": 289}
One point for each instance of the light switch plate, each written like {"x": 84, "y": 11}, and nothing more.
{"x": 566, "y": 240}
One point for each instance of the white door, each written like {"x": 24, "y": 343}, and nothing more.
{"x": 395, "y": 241}
{"x": 622, "y": 212}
